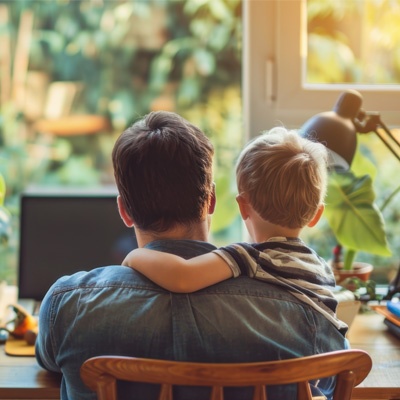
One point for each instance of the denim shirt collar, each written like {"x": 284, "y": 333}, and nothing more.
{"x": 181, "y": 247}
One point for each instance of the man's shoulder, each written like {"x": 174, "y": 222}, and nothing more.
{"x": 112, "y": 276}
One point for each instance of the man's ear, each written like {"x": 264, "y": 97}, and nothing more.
{"x": 213, "y": 201}
{"x": 317, "y": 216}
{"x": 124, "y": 215}
{"x": 243, "y": 206}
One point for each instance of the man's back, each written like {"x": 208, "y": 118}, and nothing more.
{"x": 115, "y": 310}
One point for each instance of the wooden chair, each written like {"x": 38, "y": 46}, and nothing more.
{"x": 351, "y": 367}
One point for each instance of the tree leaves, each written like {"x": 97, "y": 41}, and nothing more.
{"x": 2, "y": 190}
{"x": 5, "y": 217}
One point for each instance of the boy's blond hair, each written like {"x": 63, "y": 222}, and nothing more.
{"x": 283, "y": 176}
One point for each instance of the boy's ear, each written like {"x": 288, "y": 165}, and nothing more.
{"x": 317, "y": 216}
{"x": 124, "y": 215}
{"x": 243, "y": 206}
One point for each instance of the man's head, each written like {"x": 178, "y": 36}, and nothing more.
{"x": 163, "y": 171}
{"x": 283, "y": 177}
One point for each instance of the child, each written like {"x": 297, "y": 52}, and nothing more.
{"x": 281, "y": 179}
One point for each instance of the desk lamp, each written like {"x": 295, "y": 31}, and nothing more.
{"x": 337, "y": 130}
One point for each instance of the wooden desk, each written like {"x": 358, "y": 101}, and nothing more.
{"x": 22, "y": 378}
{"x": 369, "y": 333}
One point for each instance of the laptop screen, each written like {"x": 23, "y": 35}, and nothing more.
{"x": 64, "y": 233}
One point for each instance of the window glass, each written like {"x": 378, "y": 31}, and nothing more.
{"x": 353, "y": 41}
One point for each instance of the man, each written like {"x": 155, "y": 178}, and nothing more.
{"x": 163, "y": 171}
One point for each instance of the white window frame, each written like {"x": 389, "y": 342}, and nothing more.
{"x": 273, "y": 53}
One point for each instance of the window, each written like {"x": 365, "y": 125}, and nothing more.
{"x": 278, "y": 90}
{"x": 352, "y": 42}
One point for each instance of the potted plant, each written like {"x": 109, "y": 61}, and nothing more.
{"x": 355, "y": 218}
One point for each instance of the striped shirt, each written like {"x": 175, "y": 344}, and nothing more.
{"x": 289, "y": 263}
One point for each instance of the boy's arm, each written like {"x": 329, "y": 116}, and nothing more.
{"x": 177, "y": 274}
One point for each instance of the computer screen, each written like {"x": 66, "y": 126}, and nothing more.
{"x": 64, "y": 233}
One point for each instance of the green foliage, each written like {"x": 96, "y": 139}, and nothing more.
{"x": 372, "y": 158}
{"x": 362, "y": 163}
{"x": 352, "y": 214}
{"x": 5, "y": 217}
{"x": 130, "y": 58}
{"x": 221, "y": 119}
{"x": 363, "y": 290}
{"x": 226, "y": 204}
{"x": 324, "y": 50}
{"x": 337, "y": 53}
{"x": 21, "y": 161}
{"x": 360, "y": 209}
{"x": 2, "y": 190}
{"x": 136, "y": 48}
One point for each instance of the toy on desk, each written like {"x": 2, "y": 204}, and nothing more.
{"x": 394, "y": 307}
{"x": 23, "y": 325}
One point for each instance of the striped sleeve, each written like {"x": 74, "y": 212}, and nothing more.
{"x": 240, "y": 257}
{"x": 228, "y": 260}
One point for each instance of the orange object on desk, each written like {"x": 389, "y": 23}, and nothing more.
{"x": 382, "y": 309}
{"x": 23, "y": 322}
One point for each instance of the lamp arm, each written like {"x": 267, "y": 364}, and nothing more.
{"x": 368, "y": 122}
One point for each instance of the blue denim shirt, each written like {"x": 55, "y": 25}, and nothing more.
{"x": 115, "y": 310}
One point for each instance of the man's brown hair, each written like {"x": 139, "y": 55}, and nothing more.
{"x": 283, "y": 176}
{"x": 163, "y": 171}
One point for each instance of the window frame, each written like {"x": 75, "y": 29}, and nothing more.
{"x": 273, "y": 92}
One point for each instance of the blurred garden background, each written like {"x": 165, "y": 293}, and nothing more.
{"x": 75, "y": 74}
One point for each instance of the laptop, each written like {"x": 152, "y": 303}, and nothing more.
{"x": 62, "y": 232}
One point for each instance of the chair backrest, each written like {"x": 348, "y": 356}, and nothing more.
{"x": 350, "y": 367}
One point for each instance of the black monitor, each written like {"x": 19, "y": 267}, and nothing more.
{"x": 62, "y": 233}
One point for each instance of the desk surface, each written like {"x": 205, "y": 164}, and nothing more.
{"x": 369, "y": 333}
{"x": 22, "y": 378}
